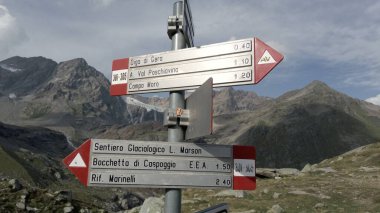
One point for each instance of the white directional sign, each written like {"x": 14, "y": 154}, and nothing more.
{"x": 162, "y": 164}
{"x": 239, "y": 62}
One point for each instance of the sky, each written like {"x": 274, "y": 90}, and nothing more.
{"x": 337, "y": 42}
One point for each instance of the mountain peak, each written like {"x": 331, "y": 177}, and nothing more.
{"x": 75, "y": 69}
{"x": 316, "y": 84}
{"x": 31, "y": 73}
{"x": 74, "y": 63}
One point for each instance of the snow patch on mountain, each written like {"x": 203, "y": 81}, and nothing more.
{"x": 10, "y": 68}
{"x": 148, "y": 107}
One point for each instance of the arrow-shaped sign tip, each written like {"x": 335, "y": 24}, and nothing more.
{"x": 266, "y": 58}
{"x": 78, "y": 160}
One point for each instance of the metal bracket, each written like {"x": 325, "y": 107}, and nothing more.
{"x": 175, "y": 23}
{"x": 172, "y": 116}
{"x": 181, "y": 23}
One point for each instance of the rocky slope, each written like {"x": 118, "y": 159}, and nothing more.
{"x": 302, "y": 126}
{"x": 32, "y": 153}
{"x": 229, "y": 100}
{"x": 33, "y": 179}
{"x": 299, "y": 127}
{"x": 346, "y": 183}
{"x": 71, "y": 97}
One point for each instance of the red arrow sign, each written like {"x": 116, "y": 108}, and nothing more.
{"x": 147, "y": 164}
{"x": 231, "y": 63}
{"x": 78, "y": 162}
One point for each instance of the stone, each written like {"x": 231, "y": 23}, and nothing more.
{"x": 232, "y": 193}
{"x": 58, "y": 175}
{"x": 266, "y": 191}
{"x": 84, "y": 210}
{"x": 15, "y": 185}
{"x": 114, "y": 198}
{"x": 287, "y": 172}
{"x": 63, "y": 196}
{"x": 135, "y": 210}
{"x": 299, "y": 192}
{"x": 114, "y": 207}
{"x": 276, "y": 195}
{"x": 326, "y": 170}
{"x": 319, "y": 205}
{"x": 273, "y": 173}
{"x": 31, "y": 209}
{"x": 276, "y": 209}
{"x": 21, "y": 205}
{"x": 369, "y": 169}
{"x": 124, "y": 204}
{"x": 187, "y": 202}
{"x": 265, "y": 173}
{"x": 249, "y": 211}
{"x": 306, "y": 168}
{"x": 152, "y": 205}
{"x": 68, "y": 209}
{"x": 130, "y": 201}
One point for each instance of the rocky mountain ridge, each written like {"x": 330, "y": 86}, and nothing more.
{"x": 302, "y": 126}
{"x": 71, "y": 97}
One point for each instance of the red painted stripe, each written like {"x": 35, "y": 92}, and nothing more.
{"x": 244, "y": 152}
{"x": 120, "y": 64}
{"x": 119, "y": 89}
{"x": 244, "y": 183}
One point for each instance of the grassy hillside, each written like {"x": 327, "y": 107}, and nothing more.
{"x": 10, "y": 167}
{"x": 346, "y": 183}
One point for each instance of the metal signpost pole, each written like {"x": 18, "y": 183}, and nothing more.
{"x": 174, "y": 165}
{"x": 176, "y": 133}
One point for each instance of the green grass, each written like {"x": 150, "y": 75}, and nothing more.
{"x": 11, "y": 167}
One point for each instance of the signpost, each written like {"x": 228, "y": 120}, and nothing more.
{"x": 240, "y": 62}
{"x": 173, "y": 165}
{"x": 123, "y": 163}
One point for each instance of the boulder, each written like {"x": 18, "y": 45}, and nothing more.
{"x": 276, "y": 209}
{"x": 21, "y": 205}
{"x": 15, "y": 185}
{"x": 152, "y": 205}
{"x": 273, "y": 173}
{"x": 232, "y": 193}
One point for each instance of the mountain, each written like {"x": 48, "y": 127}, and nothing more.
{"x": 71, "y": 97}
{"x": 22, "y": 76}
{"x": 229, "y": 100}
{"x": 302, "y": 126}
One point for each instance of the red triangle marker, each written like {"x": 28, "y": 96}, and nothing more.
{"x": 266, "y": 58}
{"x": 78, "y": 162}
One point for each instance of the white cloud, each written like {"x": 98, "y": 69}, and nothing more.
{"x": 11, "y": 34}
{"x": 374, "y": 100}
{"x": 310, "y": 36}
